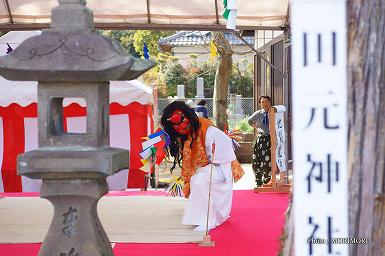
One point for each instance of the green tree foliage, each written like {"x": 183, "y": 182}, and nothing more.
{"x": 241, "y": 80}
{"x": 206, "y": 70}
{"x": 174, "y": 74}
{"x": 125, "y": 38}
{"x": 151, "y": 38}
{"x": 242, "y": 85}
{"x": 133, "y": 40}
{"x": 170, "y": 74}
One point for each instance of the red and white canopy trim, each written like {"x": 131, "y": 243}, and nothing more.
{"x": 121, "y": 92}
{"x": 18, "y": 134}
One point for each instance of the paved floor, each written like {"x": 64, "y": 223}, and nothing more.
{"x": 129, "y": 218}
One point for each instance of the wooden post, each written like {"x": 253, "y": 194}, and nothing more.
{"x": 274, "y": 185}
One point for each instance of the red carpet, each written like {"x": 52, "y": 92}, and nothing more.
{"x": 254, "y": 228}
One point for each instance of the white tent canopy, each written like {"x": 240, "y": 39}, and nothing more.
{"x": 122, "y": 92}
{"x": 155, "y": 14}
{"x": 25, "y": 93}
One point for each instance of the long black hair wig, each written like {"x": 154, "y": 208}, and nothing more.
{"x": 178, "y": 140}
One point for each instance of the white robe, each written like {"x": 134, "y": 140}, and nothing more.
{"x": 221, "y": 184}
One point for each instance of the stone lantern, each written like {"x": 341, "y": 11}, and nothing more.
{"x": 71, "y": 60}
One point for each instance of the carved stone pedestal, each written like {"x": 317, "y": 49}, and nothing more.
{"x": 75, "y": 229}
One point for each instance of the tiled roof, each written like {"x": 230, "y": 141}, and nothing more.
{"x": 191, "y": 38}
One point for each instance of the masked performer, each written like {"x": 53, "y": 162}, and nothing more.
{"x": 193, "y": 141}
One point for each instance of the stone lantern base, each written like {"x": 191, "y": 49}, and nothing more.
{"x": 74, "y": 181}
{"x": 75, "y": 229}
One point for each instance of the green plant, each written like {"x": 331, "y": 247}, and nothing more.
{"x": 125, "y": 38}
{"x": 133, "y": 40}
{"x": 151, "y": 38}
{"x": 174, "y": 74}
{"x": 206, "y": 70}
{"x": 241, "y": 82}
{"x": 244, "y": 126}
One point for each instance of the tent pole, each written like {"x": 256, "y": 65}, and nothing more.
{"x": 9, "y": 12}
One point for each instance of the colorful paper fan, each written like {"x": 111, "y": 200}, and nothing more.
{"x": 175, "y": 187}
{"x": 154, "y": 148}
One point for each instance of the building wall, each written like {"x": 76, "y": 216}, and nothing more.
{"x": 262, "y": 37}
{"x": 183, "y": 53}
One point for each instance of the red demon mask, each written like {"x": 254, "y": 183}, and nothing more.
{"x": 180, "y": 122}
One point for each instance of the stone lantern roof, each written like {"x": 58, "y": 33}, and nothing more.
{"x": 71, "y": 51}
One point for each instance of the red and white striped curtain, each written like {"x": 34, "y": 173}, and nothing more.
{"x": 18, "y": 134}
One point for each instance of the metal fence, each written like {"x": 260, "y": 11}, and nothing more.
{"x": 247, "y": 105}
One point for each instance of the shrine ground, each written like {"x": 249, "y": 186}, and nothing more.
{"x": 254, "y": 228}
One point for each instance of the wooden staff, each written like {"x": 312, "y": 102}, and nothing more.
{"x": 207, "y": 238}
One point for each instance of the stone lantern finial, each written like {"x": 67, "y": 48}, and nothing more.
{"x": 72, "y": 15}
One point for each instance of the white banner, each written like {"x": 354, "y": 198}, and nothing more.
{"x": 280, "y": 137}
{"x": 319, "y": 126}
